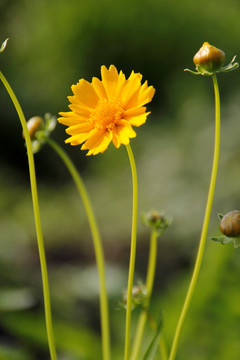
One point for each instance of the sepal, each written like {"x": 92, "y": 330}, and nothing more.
{"x": 222, "y": 239}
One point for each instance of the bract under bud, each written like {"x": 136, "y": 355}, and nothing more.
{"x": 230, "y": 224}
{"x": 209, "y": 58}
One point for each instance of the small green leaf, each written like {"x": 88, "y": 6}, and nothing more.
{"x": 217, "y": 239}
{"x": 3, "y": 46}
{"x": 193, "y": 72}
{"x": 236, "y": 242}
{"x": 222, "y": 239}
{"x": 152, "y": 348}
{"x": 227, "y": 240}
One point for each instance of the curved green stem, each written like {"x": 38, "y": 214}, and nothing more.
{"x": 45, "y": 283}
{"x": 205, "y": 223}
{"x": 96, "y": 241}
{"x": 132, "y": 253}
{"x": 149, "y": 285}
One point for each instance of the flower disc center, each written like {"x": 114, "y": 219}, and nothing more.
{"x": 107, "y": 114}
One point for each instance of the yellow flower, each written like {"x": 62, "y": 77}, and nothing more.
{"x": 105, "y": 110}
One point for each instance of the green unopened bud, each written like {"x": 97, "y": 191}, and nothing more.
{"x": 230, "y": 227}
{"x": 34, "y": 124}
{"x": 230, "y": 224}
{"x": 209, "y": 58}
{"x": 40, "y": 129}
{"x": 155, "y": 220}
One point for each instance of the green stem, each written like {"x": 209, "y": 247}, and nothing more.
{"x": 149, "y": 285}
{"x": 132, "y": 252}
{"x": 205, "y": 223}
{"x": 45, "y": 283}
{"x": 162, "y": 348}
{"x": 96, "y": 241}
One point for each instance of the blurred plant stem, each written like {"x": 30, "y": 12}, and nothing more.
{"x": 45, "y": 282}
{"x": 205, "y": 223}
{"x": 96, "y": 241}
{"x": 149, "y": 284}
{"x": 132, "y": 252}
{"x": 144, "y": 314}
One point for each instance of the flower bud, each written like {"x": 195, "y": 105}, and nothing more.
{"x": 139, "y": 295}
{"x": 34, "y": 124}
{"x": 155, "y": 220}
{"x": 230, "y": 224}
{"x": 209, "y": 59}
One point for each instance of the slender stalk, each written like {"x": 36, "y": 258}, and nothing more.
{"x": 45, "y": 283}
{"x": 132, "y": 252}
{"x": 149, "y": 285}
{"x": 97, "y": 245}
{"x": 162, "y": 348}
{"x": 205, "y": 223}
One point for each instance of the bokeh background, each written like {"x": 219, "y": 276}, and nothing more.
{"x": 53, "y": 44}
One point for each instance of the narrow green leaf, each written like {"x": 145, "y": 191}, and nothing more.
{"x": 152, "y": 348}
{"x": 222, "y": 239}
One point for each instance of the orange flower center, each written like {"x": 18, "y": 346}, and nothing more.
{"x": 107, "y": 114}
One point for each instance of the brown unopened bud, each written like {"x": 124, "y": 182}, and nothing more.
{"x": 34, "y": 124}
{"x": 230, "y": 224}
{"x": 209, "y": 58}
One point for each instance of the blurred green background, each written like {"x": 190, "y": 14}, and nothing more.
{"x": 53, "y": 44}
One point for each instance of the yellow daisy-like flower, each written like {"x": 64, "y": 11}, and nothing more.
{"x": 105, "y": 110}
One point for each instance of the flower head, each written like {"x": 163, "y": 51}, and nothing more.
{"x": 105, "y": 110}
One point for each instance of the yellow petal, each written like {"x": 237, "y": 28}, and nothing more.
{"x": 92, "y": 139}
{"x": 133, "y": 85}
{"x": 109, "y": 80}
{"x": 80, "y": 128}
{"x": 79, "y": 110}
{"x": 120, "y": 85}
{"x": 68, "y": 118}
{"x": 141, "y": 97}
{"x": 128, "y": 114}
{"x": 77, "y": 139}
{"x": 139, "y": 120}
{"x": 85, "y": 94}
{"x": 146, "y": 95}
{"x": 99, "y": 88}
{"x": 102, "y": 144}
{"x": 122, "y": 134}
